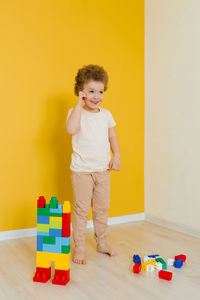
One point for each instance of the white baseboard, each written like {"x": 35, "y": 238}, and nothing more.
{"x": 171, "y": 225}
{"x": 15, "y": 234}
{"x": 21, "y": 233}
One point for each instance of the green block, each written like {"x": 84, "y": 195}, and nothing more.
{"x": 43, "y": 227}
{"x": 49, "y": 240}
{"x": 54, "y": 202}
{"x": 55, "y": 224}
{"x": 55, "y": 215}
{"x": 43, "y": 211}
{"x": 66, "y": 249}
{"x": 164, "y": 265}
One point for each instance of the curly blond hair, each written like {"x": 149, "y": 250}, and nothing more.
{"x": 87, "y": 73}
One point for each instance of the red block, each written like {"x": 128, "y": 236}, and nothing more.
{"x": 66, "y": 224}
{"x": 41, "y": 202}
{"x": 42, "y": 274}
{"x": 137, "y": 268}
{"x": 165, "y": 275}
{"x": 180, "y": 256}
{"x": 61, "y": 277}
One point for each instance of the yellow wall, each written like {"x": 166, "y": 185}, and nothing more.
{"x": 44, "y": 43}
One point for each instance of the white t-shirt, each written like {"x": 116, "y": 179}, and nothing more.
{"x": 91, "y": 147}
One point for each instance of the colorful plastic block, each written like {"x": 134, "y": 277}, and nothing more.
{"x": 65, "y": 249}
{"x": 55, "y": 224}
{"x": 42, "y": 233}
{"x": 61, "y": 277}
{"x": 42, "y": 219}
{"x": 164, "y": 265}
{"x": 39, "y": 243}
{"x": 178, "y": 263}
{"x": 66, "y": 220}
{"x": 42, "y": 274}
{"x": 43, "y": 211}
{"x": 41, "y": 202}
{"x": 154, "y": 255}
{"x": 136, "y": 259}
{"x": 158, "y": 266}
{"x": 57, "y": 210}
{"x": 52, "y": 214}
{"x": 150, "y": 262}
{"x": 137, "y": 268}
{"x": 180, "y": 256}
{"x": 55, "y": 232}
{"x": 54, "y": 202}
{"x": 43, "y": 227}
{"x": 52, "y": 248}
{"x": 165, "y": 275}
{"x": 49, "y": 240}
{"x": 170, "y": 261}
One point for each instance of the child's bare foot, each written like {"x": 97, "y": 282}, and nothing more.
{"x": 104, "y": 248}
{"x": 79, "y": 257}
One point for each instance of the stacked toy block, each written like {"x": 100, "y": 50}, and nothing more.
{"x": 154, "y": 261}
{"x": 53, "y": 241}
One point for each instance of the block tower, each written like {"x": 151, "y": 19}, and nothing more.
{"x": 53, "y": 241}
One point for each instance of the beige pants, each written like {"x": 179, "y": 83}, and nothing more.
{"x": 90, "y": 188}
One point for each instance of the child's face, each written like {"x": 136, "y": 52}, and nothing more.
{"x": 94, "y": 92}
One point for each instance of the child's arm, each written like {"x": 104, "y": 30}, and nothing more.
{"x": 114, "y": 143}
{"x": 73, "y": 123}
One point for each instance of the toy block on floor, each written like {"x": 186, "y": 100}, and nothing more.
{"x": 158, "y": 266}
{"x": 180, "y": 256}
{"x": 165, "y": 275}
{"x": 178, "y": 263}
{"x": 136, "y": 259}
{"x": 53, "y": 241}
{"x": 154, "y": 255}
{"x": 137, "y": 268}
{"x": 150, "y": 262}
{"x": 164, "y": 265}
{"x": 170, "y": 261}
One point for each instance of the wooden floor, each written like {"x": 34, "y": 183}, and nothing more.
{"x": 104, "y": 277}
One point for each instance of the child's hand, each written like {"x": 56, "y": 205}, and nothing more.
{"x": 115, "y": 163}
{"x": 81, "y": 99}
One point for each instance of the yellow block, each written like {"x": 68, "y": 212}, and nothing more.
{"x": 150, "y": 262}
{"x": 43, "y": 227}
{"x": 55, "y": 224}
{"x": 44, "y": 259}
{"x": 59, "y": 219}
{"x": 66, "y": 207}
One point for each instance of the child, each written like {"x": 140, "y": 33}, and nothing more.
{"x": 92, "y": 130}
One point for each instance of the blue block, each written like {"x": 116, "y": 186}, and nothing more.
{"x": 153, "y": 255}
{"x": 39, "y": 243}
{"x": 55, "y": 232}
{"x": 42, "y": 219}
{"x": 136, "y": 259}
{"x": 178, "y": 263}
{"x": 42, "y": 233}
{"x": 63, "y": 241}
{"x": 58, "y": 210}
{"x": 52, "y": 248}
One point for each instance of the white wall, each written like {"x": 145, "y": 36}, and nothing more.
{"x": 172, "y": 150}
